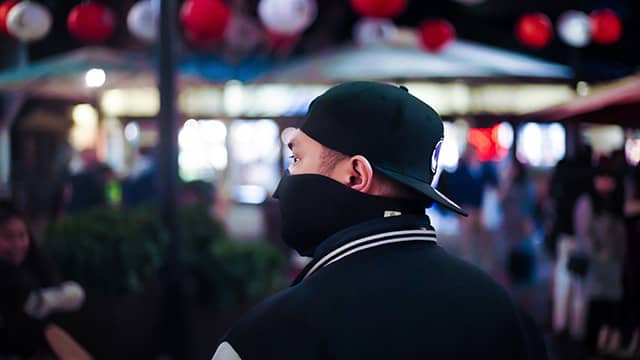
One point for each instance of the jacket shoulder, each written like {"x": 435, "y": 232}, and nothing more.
{"x": 272, "y": 329}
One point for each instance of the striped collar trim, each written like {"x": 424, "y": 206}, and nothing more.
{"x": 370, "y": 242}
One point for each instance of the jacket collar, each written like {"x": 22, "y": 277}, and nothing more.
{"x": 377, "y": 232}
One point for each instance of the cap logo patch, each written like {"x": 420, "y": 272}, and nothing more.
{"x": 435, "y": 156}
{"x": 391, "y": 213}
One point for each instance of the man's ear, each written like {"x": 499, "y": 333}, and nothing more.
{"x": 360, "y": 174}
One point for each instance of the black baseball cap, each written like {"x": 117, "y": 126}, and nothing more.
{"x": 400, "y": 135}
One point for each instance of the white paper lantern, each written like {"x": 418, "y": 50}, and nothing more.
{"x": 142, "y": 21}
{"x": 29, "y": 21}
{"x": 287, "y": 17}
{"x": 574, "y": 28}
{"x": 373, "y": 31}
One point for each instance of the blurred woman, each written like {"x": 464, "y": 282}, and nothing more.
{"x": 631, "y": 274}
{"x": 599, "y": 256}
{"x": 572, "y": 178}
{"x": 31, "y": 288}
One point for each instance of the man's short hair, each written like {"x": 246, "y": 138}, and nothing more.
{"x": 386, "y": 185}
{"x": 329, "y": 159}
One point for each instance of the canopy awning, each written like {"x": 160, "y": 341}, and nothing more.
{"x": 62, "y": 76}
{"x": 614, "y": 103}
{"x": 461, "y": 60}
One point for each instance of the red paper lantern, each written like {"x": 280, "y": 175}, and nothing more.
{"x": 534, "y": 30}
{"x": 436, "y": 34}
{"x": 5, "y": 7}
{"x": 204, "y": 22}
{"x": 606, "y": 27}
{"x": 379, "y": 8}
{"x": 91, "y": 22}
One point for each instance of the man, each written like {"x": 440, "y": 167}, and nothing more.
{"x": 379, "y": 286}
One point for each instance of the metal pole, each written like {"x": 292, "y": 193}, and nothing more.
{"x": 16, "y": 55}
{"x": 5, "y": 163}
{"x": 167, "y": 153}
{"x": 572, "y": 130}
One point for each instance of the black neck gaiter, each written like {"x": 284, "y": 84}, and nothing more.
{"x": 314, "y": 207}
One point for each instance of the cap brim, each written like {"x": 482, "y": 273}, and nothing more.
{"x": 424, "y": 188}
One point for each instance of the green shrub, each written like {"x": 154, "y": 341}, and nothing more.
{"x": 107, "y": 250}
{"x": 120, "y": 251}
{"x": 230, "y": 272}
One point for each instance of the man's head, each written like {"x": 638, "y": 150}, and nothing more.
{"x": 355, "y": 172}
{"x": 365, "y": 151}
{"x": 375, "y": 138}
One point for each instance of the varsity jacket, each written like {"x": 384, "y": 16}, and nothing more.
{"x": 384, "y": 289}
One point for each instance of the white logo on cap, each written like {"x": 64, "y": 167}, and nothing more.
{"x": 435, "y": 156}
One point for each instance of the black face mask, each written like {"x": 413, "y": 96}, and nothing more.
{"x": 314, "y": 207}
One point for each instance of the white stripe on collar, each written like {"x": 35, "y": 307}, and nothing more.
{"x": 379, "y": 243}
{"x": 366, "y": 243}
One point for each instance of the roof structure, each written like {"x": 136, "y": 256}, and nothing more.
{"x": 615, "y": 103}
{"x": 461, "y": 60}
{"x": 62, "y": 76}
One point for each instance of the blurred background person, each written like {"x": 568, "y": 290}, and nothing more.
{"x": 31, "y": 288}
{"x": 572, "y": 177}
{"x": 141, "y": 186}
{"x": 467, "y": 186}
{"x": 518, "y": 202}
{"x": 597, "y": 257}
{"x": 89, "y": 187}
{"x": 197, "y": 193}
{"x": 631, "y": 270}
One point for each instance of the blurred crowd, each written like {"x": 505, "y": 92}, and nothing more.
{"x": 96, "y": 184}
{"x": 565, "y": 243}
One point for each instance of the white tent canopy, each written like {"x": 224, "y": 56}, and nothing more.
{"x": 63, "y": 76}
{"x": 462, "y": 59}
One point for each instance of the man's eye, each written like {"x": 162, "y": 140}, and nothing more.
{"x": 294, "y": 158}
